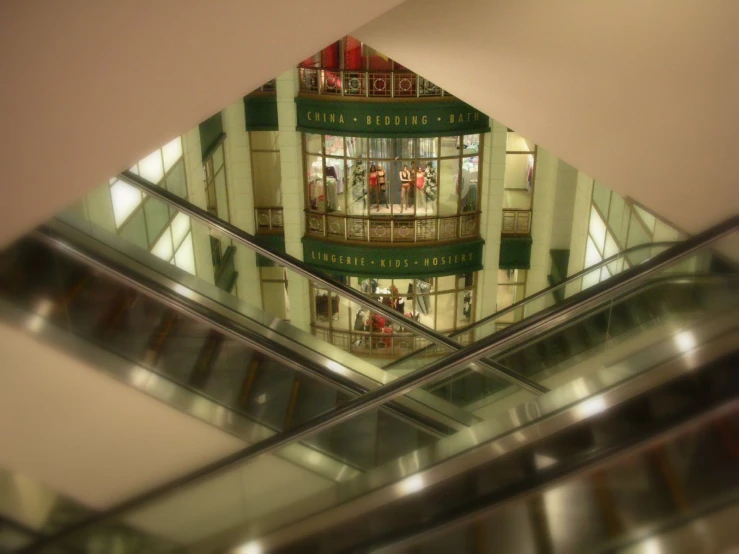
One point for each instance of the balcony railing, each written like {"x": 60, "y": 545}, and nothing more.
{"x": 392, "y": 229}
{"x": 269, "y": 219}
{"x": 516, "y": 222}
{"x": 380, "y": 344}
{"x": 373, "y": 84}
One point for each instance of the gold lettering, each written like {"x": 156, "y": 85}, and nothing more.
{"x": 333, "y": 258}
{"x": 443, "y": 260}
{"x": 406, "y": 120}
{"x": 325, "y": 257}
{"x": 414, "y": 120}
{"x": 424, "y": 120}
{"x": 332, "y": 118}
{"x": 362, "y": 262}
{"x": 426, "y": 262}
{"x": 451, "y": 118}
{"x": 397, "y": 120}
{"x": 369, "y": 120}
{"x": 468, "y": 116}
{"x": 341, "y": 118}
{"x": 456, "y": 258}
{"x": 436, "y": 261}
{"x": 406, "y": 263}
{"x": 341, "y": 260}
{"x": 309, "y": 119}
{"x": 477, "y": 116}
{"x": 464, "y": 258}
{"x": 377, "y": 120}
{"x": 387, "y": 120}
{"x": 382, "y": 263}
{"x": 461, "y": 119}
{"x": 397, "y": 263}
{"x": 348, "y": 260}
{"x": 317, "y": 116}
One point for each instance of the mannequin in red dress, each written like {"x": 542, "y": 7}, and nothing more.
{"x": 374, "y": 191}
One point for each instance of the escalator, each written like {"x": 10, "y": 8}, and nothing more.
{"x": 305, "y": 407}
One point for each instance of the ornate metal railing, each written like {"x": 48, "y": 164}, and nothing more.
{"x": 376, "y": 84}
{"x": 516, "y": 222}
{"x": 269, "y": 219}
{"x": 381, "y": 344}
{"x": 402, "y": 229}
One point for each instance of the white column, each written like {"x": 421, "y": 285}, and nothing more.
{"x": 291, "y": 164}
{"x": 541, "y": 224}
{"x": 241, "y": 199}
{"x": 564, "y": 204}
{"x": 98, "y": 206}
{"x": 491, "y": 223}
{"x": 193, "y": 159}
{"x": 579, "y": 234}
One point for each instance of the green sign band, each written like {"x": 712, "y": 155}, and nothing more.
{"x": 389, "y": 119}
{"x": 515, "y": 253}
{"x": 261, "y": 112}
{"x": 402, "y": 262}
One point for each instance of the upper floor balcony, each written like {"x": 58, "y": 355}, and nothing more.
{"x": 399, "y": 83}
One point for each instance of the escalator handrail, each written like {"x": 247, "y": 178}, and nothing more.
{"x": 303, "y": 269}
{"x": 687, "y": 278}
{"x": 537, "y": 295}
{"x": 125, "y": 270}
{"x": 523, "y": 330}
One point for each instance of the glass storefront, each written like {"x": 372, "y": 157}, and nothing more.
{"x": 443, "y": 303}
{"x": 392, "y": 177}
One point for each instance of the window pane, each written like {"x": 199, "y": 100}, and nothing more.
{"x": 134, "y": 231}
{"x": 464, "y": 308}
{"x": 356, "y": 147}
{"x": 176, "y": 183}
{"x": 356, "y": 192}
{"x": 428, "y": 147}
{"x": 601, "y": 197}
{"x": 592, "y": 256}
{"x": 449, "y": 146}
{"x": 313, "y": 144}
{"x": 267, "y": 178}
{"x": 335, "y": 183}
{"x": 222, "y": 195}
{"x": 125, "y": 200}
{"x": 449, "y": 186}
{"x": 519, "y": 172}
{"x": 597, "y": 229}
{"x": 163, "y": 248}
{"x": 157, "y": 217}
{"x": 469, "y": 192}
{"x": 471, "y": 144}
{"x": 314, "y": 178}
{"x": 268, "y": 140}
{"x": 274, "y": 300}
{"x": 218, "y": 158}
{"x": 380, "y": 148}
{"x": 151, "y": 167}
{"x": 171, "y": 152}
{"x": 334, "y": 146}
{"x": 180, "y": 227}
{"x": 427, "y": 189}
{"x": 184, "y": 258}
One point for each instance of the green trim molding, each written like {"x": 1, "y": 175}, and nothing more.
{"x": 274, "y": 241}
{"x": 211, "y": 131}
{"x": 261, "y": 112}
{"x": 515, "y": 253}
{"x": 389, "y": 118}
{"x": 393, "y": 261}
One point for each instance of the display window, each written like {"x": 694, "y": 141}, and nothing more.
{"x": 392, "y": 177}
{"x": 443, "y": 303}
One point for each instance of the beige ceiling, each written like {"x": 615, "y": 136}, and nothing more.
{"x": 89, "y": 87}
{"x": 640, "y": 94}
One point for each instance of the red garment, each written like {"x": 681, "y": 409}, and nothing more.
{"x": 420, "y": 176}
{"x": 373, "y": 179}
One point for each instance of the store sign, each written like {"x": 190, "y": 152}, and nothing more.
{"x": 391, "y": 261}
{"x": 388, "y": 119}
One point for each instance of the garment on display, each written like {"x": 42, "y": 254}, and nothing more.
{"x": 322, "y": 305}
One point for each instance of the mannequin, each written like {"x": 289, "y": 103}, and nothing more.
{"x": 420, "y": 196}
{"x": 382, "y": 184}
{"x": 374, "y": 196}
{"x": 405, "y": 185}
